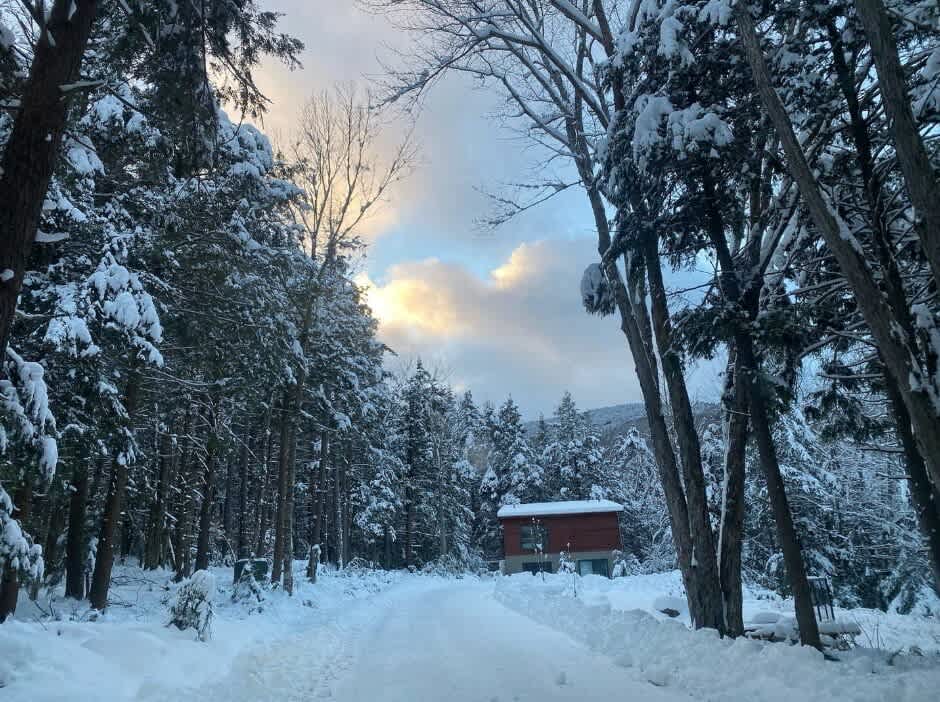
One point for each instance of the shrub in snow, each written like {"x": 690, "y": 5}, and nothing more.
{"x": 450, "y": 566}
{"x": 248, "y": 589}
{"x": 565, "y": 564}
{"x": 357, "y": 566}
{"x": 192, "y": 608}
{"x": 26, "y": 423}
{"x": 625, "y": 565}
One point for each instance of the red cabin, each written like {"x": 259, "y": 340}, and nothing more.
{"x": 535, "y": 534}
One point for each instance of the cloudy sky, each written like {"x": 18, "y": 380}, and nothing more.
{"x": 497, "y": 312}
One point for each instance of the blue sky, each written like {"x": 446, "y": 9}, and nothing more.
{"x": 497, "y": 312}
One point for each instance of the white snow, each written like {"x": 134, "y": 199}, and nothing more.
{"x": 613, "y": 618}
{"x": 548, "y": 509}
{"x": 397, "y": 637}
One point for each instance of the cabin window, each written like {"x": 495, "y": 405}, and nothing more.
{"x": 593, "y": 566}
{"x": 534, "y": 537}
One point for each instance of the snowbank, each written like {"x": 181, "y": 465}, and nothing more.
{"x": 666, "y": 652}
{"x": 129, "y": 653}
{"x": 887, "y": 631}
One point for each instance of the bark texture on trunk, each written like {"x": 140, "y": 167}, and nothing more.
{"x": 283, "y": 452}
{"x": 289, "y": 508}
{"x": 203, "y": 542}
{"x": 32, "y": 148}
{"x": 925, "y": 497}
{"x": 181, "y": 532}
{"x": 698, "y": 589}
{"x": 113, "y": 508}
{"x": 243, "y": 546}
{"x": 76, "y": 541}
{"x": 708, "y": 592}
{"x": 156, "y": 521}
{"x": 776, "y": 492}
{"x": 267, "y": 484}
{"x": 731, "y": 529}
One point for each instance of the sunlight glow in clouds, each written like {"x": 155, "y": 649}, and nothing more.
{"x": 499, "y": 313}
{"x": 518, "y": 330}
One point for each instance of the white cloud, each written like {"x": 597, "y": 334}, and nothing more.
{"x": 520, "y": 330}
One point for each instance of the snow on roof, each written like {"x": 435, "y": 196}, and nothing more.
{"x": 545, "y": 509}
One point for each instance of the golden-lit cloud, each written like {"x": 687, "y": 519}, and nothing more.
{"x": 518, "y": 329}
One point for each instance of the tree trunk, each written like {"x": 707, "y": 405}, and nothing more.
{"x": 282, "y": 477}
{"x": 321, "y": 488}
{"x": 347, "y": 509}
{"x": 386, "y": 547}
{"x": 203, "y": 543}
{"x": 409, "y": 526}
{"x": 899, "y": 357}
{"x": 267, "y": 483}
{"x": 645, "y": 366}
{"x": 181, "y": 535}
{"x": 925, "y": 496}
{"x": 745, "y": 355}
{"x": 156, "y": 522}
{"x": 10, "y": 583}
{"x": 704, "y": 557}
{"x": 76, "y": 543}
{"x": 104, "y": 558}
{"x": 289, "y": 504}
{"x": 919, "y": 175}
{"x": 50, "y": 554}
{"x": 731, "y": 530}
{"x": 32, "y": 148}
{"x": 776, "y": 492}
{"x": 243, "y": 548}
{"x": 229, "y": 505}
{"x": 339, "y": 468}
{"x": 114, "y": 506}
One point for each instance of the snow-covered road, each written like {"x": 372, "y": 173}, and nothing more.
{"x": 425, "y": 641}
{"x": 456, "y": 643}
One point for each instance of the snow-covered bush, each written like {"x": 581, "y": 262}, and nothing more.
{"x": 447, "y": 566}
{"x": 625, "y": 564}
{"x": 192, "y": 608}
{"x": 248, "y": 589}
{"x": 357, "y": 566}
{"x": 565, "y": 564}
{"x": 26, "y": 424}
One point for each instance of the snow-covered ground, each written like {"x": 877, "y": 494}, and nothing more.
{"x": 373, "y": 636}
{"x": 615, "y": 618}
{"x": 887, "y": 631}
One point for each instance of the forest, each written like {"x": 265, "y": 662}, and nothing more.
{"x": 192, "y": 374}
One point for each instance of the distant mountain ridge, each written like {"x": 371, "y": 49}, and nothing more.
{"x": 617, "y": 419}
